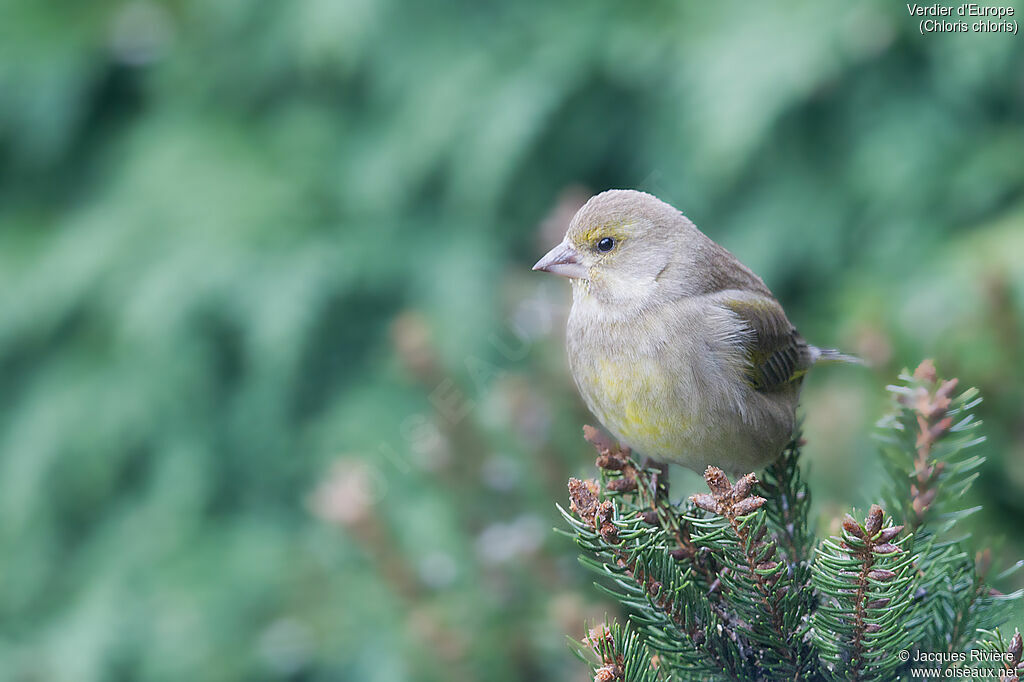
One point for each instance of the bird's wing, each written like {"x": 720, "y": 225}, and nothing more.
{"x": 777, "y": 356}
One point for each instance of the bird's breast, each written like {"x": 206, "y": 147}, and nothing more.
{"x": 634, "y": 395}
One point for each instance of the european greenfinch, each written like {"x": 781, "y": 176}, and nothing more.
{"x": 679, "y": 350}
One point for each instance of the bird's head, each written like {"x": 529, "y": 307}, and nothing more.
{"x": 617, "y": 246}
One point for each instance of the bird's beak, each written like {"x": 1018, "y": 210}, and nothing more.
{"x": 562, "y": 260}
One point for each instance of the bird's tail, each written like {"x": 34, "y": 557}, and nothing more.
{"x": 831, "y": 355}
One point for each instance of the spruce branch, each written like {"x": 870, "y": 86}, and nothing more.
{"x": 650, "y": 483}
{"x": 925, "y": 447}
{"x": 761, "y": 588}
{"x": 667, "y": 607}
{"x": 865, "y": 579}
{"x": 619, "y": 655}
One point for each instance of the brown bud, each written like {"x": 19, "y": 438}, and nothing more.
{"x": 940, "y": 428}
{"x": 945, "y": 391}
{"x": 743, "y": 486}
{"x": 851, "y": 526}
{"x": 938, "y": 407}
{"x": 608, "y": 673}
{"x": 609, "y": 463}
{"x": 885, "y": 548}
{"x": 582, "y": 499}
{"x": 923, "y": 501}
{"x": 873, "y": 522}
{"x": 650, "y": 517}
{"x": 622, "y": 485}
{"x": 1016, "y": 647}
{"x": 748, "y": 505}
{"x": 887, "y": 534}
{"x": 929, "y": 496}
{"x": 598, "y": 635}
{"x": 705, "y": 502}
{"x": 881, "y": 575}
{"x": 926, "y": 371}
{"x": 609, "y": 533}
{"x": 717, "y": 481}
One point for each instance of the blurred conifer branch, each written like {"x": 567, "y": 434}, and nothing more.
{"x": 734, "y": 585}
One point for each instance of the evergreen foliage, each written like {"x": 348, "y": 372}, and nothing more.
{"x": 733, "y": 585}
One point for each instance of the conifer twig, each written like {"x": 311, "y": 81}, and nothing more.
{"x": 653, "y": 491}
{"x": 930, "y": 403}
{"x": 584, "y": 502}
{"x": 733, "y": 501}
{"x": 874, "y": 540}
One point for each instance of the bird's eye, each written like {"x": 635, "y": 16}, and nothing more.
{"x": 606, "y": 244}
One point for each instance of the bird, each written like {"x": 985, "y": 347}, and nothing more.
{"x": 676, "y": 347}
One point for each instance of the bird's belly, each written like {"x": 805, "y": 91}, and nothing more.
{"x": 637, "y": 401}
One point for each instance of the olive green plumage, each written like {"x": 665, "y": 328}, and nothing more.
{"x": 676, "y": 347}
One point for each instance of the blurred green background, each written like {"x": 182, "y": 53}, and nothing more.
{"x": 281, "y": 398}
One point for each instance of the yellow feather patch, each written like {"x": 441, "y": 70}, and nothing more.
{"x": 632, "y": 397}
{"x": 616, "y": 230}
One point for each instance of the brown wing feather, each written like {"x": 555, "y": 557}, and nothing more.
{"x": 778, "y": 356}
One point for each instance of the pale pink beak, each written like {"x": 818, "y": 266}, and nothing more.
{"x": 562, "y": 260}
